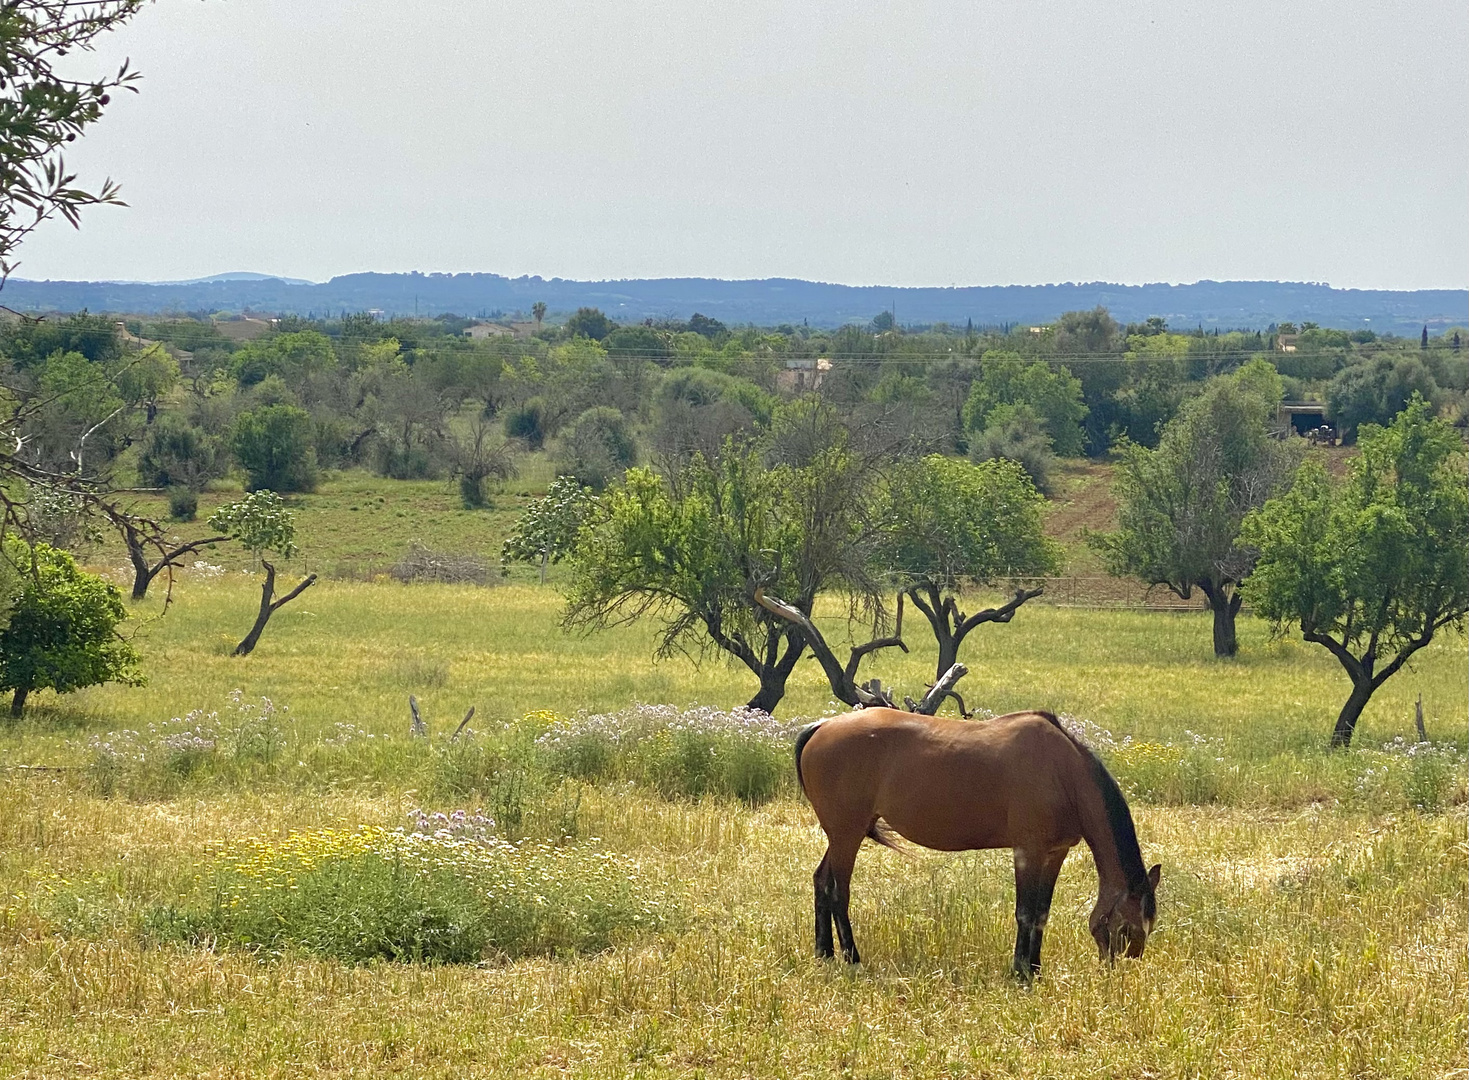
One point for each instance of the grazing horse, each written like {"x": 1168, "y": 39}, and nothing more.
{"x": 1019, "y": 781}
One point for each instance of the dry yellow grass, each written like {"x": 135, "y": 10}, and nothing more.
{"x": 1298, "y": 938}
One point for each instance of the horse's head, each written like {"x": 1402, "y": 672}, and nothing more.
{"x": 1124, "y": 927}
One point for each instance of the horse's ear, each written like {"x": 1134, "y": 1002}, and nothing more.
{"x": 1154, "y": 874}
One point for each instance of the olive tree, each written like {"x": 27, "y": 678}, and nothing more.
{"x": 262, "y": 522}
{"x": 1180, "y": 506}
{"x": 62, "y": 632}
{"x": 1373, "y": 568}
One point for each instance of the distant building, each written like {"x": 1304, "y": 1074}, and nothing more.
{"x": 481, "y": 331}
{"x": 1286, "y": 342}
{"x": 1300, "y": 418}
{"x": 798, "y": 376}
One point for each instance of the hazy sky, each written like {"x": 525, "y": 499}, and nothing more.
{"x": 868, "y": 143}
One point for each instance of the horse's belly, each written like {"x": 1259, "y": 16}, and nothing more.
{"x": 970, "y": 836}
{"x": 950, "y": 824}
{"x": 961, "y": 810}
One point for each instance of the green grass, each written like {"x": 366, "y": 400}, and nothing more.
{"x": 1312, "y": 921}
{"x": 357, "y": 525}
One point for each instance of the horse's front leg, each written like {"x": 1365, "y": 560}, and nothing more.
{"x": 1035, "y": 884}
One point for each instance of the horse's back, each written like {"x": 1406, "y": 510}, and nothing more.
{"x": 942, "y": 783}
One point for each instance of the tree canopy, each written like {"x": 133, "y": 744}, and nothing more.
{"x": 784, "y": 513}
{"x": 1373, "y": 568}
{"x": 1180, "y": 506}
{"x": 62, "y": 632}
{"x": 950, "y": 523}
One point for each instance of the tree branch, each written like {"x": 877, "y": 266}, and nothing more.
{"x": 1002, "y": 614}
{"x": 942, "y": 689}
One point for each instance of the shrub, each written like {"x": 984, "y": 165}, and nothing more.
{"x": 528, "y": 423}
{"x": 275, "y": 445}
{"x": 183, "y": 504}
{"x": 62, "y": 633}
{"x": 598, "y": 447}
{"x": 178, "y": 454}
{"x": 454, "y": 895}
{"x": 1014, "y": 433}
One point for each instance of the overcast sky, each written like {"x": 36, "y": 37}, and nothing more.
{"x": 968, "y": 143}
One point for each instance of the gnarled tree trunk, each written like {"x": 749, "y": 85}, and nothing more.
{"x": 1351, "y": 712}
{"x": 269, "y": 607}
{"x": 842, "y": 679}
{"x": 1224, "y": 601}
{"x": 951, "y": 626}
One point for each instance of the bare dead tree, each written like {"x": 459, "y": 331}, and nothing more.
{"x": 842, "y": 677}
{"x": 951, "y": 626}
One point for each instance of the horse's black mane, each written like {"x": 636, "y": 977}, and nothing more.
{"x": 1119, "y": 817}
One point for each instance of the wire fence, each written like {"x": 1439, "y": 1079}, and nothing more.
{"x": 1103, "y": 591}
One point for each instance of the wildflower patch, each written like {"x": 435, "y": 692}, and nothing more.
{"x": 737, "y": 753}
{"x": 453, "y": 895}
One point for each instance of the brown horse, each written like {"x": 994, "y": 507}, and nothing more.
{"x": 1019, "y": 781}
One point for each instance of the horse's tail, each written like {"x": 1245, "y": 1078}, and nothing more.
{"x": 881, "y": 832}
{"x": 801, "y": 740}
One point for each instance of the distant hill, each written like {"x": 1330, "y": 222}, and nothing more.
{"x": 769, "y": 301}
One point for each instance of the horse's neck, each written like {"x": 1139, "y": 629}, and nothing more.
{"x": 1096, "y": 830}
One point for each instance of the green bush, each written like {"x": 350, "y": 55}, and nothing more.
{"x": 62, "y": 633}
{"x": 183, "y": 504}
{"x": 275, "y": 445}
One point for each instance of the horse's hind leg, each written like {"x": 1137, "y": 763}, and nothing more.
{"x": 1035, "y": 885}
{"x": 840, "y": 860}
{"x": 822, "y": 880}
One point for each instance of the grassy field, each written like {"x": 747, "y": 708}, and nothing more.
{"x": 1312, "y": 912}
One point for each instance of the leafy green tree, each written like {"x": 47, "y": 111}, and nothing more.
{"x": 546, "y": 532}
{"x": 1372, "y": 569}
{"x": 951, "y": 524}
{"x": 696, "y": 409}
{"x": 62, "y": 633}
{"x": 694, "y": 550}
{"x": 178, "y": 454}
{"x": 293, "y": 356}
{"x": 1052, "y": 394}
{"x": 275, "y": 445}
{"x": 262, "y": 522}
{"x": 145, "y": 379}
{"x": 598, "y": 447}
{"x": 42, "y": 109}
{"x": 1376, "y": 391}
{"x": 589, "y": 322}
{"x": 637, "y": 341}
{"x": 477, "y": 457}
{"x": 704, "y": 326}
{"x": 538, "y": 312}
{"x": 1014, "y": 433}
{"x": 1180, "y": 506}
